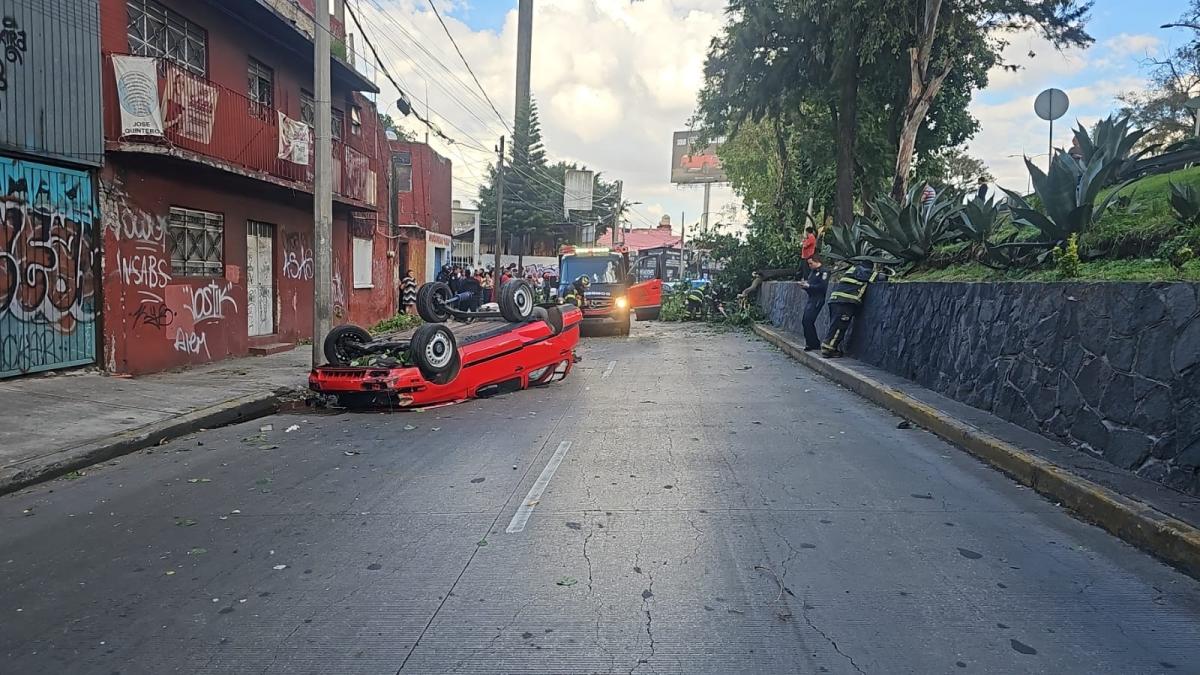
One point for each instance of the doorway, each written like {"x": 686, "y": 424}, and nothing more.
{"x": 260, "y": 279}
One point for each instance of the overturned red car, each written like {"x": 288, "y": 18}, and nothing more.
{"x": 458, "y": 354}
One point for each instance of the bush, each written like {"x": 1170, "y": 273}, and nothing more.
{"x": 396, "y": 324}
{"x": 1066, "y": 259}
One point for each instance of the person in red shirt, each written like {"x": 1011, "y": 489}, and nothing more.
{"x": 808, "y": 249}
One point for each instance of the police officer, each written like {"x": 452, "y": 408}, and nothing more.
{"x": 816, "y": 284}
{"x": 845, "y": 302}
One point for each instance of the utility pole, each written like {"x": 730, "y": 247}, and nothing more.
{"x": 524, "y": 52}
{"x": 499, "y": 214}
{"x": 618, "y": 236}
{"x": 322, "y": 186}
{"x": 477, "y": 257}
{"x": 704, "y": 215}
{"x": 682, "y": 250}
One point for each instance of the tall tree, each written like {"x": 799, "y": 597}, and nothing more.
{"x": 940, "y": 33}
{"x": 527, "y": 186}
{"x": 1174, "y": 79}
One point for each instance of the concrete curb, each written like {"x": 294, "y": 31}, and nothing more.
{"x": 1171, "y": 539}
{"x": 39, "y": 469}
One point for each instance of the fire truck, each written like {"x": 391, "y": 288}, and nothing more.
{"x": 609, "y": 287}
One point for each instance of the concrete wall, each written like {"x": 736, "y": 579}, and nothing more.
{"x": 1112, "y": 368}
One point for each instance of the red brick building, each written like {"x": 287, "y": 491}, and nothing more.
{"x": 208, "y": 226}
{"x": 420, "y": 207}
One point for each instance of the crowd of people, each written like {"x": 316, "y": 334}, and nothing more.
{"x": 480, "y": 284}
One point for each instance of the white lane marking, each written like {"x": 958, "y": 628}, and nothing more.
{"x": 535, "y": 493}
{"x": 609, "y": 369}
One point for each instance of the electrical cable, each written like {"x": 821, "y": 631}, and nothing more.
{"x": 464, "y": 60}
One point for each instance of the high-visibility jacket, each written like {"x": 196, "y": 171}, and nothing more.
{"x": 852, "y": 286}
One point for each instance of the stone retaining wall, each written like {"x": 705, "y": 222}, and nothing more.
{"x": 1112, "y": 368}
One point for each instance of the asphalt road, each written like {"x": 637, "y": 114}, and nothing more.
{"x": 715, "y": 508}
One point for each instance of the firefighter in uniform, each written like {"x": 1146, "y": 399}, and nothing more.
{"x": 845, "y": 302}
{"x": 575, "y": 293}
{"x": 697, "y": 301}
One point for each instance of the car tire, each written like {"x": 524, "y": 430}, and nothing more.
{"x": 552, "y": 315}
{"x": 516, "y": 300}
{"x": 434, "y": 350}
{"x": 339, "y": 339}
{"x": 431, "y": 299}
{"x": 647, "y": 314}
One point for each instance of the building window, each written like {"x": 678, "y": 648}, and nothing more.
{"x": 364, "y": 251}
{"x": 402, "y": 163}
{"x": 196, "y": 240}
{"x": 337, "y": 119}
{"x": 262, "y": 88}
{"x": 157, "y": 31}
{"x": 308, "y": 108}
{"x": 356, "y": 120}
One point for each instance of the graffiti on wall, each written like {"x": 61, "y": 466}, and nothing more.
{"x": 141, "y": 244}
{"x": 47, "y": 267}
{"x": 297, "y": 257}
{"x": 13, "y": 39}
{"x": 207, "y": 303}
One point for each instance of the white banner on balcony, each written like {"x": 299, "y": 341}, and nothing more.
{"x": 190, "y": 106}
{"x": 293, "y": 140}
{"x": 137, "y": 93}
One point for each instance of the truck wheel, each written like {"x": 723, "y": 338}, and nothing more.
{"x": 340, "y": 341}
{"x": 647, "y": 314}
{"x": 431, "y": 302}
{"x": 516, "y": 300}
{"x": 434, "y": 351}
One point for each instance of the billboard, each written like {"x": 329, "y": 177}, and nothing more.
{"x": 690, "y": 164}
{"x": 577, "y": 190}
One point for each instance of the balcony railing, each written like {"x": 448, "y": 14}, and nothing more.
{"x": 202, "y": 118}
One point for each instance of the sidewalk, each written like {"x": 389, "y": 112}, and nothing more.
{"x": 1140, "y": 511}
{"x": 50, "y": 425}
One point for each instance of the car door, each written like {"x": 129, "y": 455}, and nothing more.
{"x": 645, "y": 294}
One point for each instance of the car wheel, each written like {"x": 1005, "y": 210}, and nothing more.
{"x": 431, "y": 302}
{"x": 516, "y": 300}
{"x": 647, "y": 314}
{"x": 434, "y": 350}
{"x": 340, "y": 341}
{"x": 552, "y": 315}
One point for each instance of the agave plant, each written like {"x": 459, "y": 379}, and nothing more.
{"x": 1185, "y": 202}
{"x": 1116, "y": 140}
{"x": 1070, "y": 193}
{"x": 910, "y": 231}
{"x": 978, "y": 221}
{"x": 848, "y": 244}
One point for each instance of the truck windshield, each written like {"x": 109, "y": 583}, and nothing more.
{"x": 597, "y": 270}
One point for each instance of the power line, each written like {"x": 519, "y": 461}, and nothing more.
{"x": 389, "y": 18}
{"x": 383, "y": 68}
{"x": 469, "y": 70}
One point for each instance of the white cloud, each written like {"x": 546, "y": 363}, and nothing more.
{"x": 612, "y": 80}
{"x": 1126, "y": 44}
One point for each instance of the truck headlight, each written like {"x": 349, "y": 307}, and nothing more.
{"x": 621, "y": 303}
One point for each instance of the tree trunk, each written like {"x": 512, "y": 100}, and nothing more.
{"x": 781, "y": 189}
{"x": 846, "y": 124}
{"x": 922, "y": 89}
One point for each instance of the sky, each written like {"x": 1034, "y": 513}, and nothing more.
{"x": 614, "y": 78}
